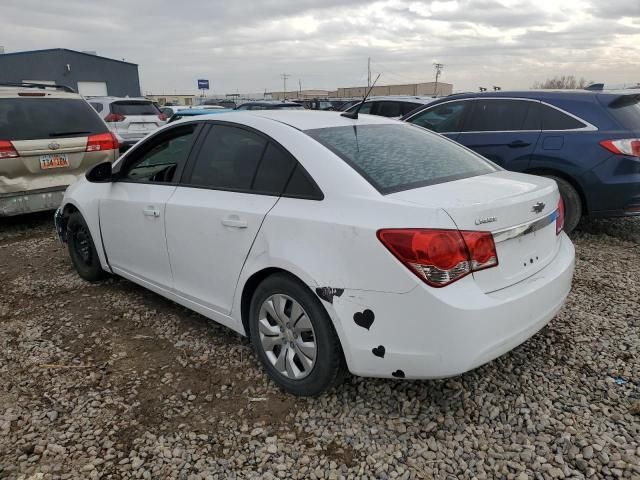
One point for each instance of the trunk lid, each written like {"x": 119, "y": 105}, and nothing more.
{"x": 497, "y": 203}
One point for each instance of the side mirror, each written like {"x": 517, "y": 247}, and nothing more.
{"x": 101, "y": 173}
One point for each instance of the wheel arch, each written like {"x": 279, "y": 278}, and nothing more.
{"x": 568, "y": 178}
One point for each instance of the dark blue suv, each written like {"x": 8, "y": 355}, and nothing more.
{"x": 589, "y": 142}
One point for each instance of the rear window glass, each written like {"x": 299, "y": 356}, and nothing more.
{"x": 627, "y": 111}
{"x": 134, "y": 108}
{"x": 39, "y": 118}
{"x": 400, "y": 157}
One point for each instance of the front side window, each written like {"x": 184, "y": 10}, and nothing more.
{"x": 443, "y": 118}
{"x": 490, "y": 115}
{"x": 158, "y": 161}
{"x": 228, "y": 159}
{"x": 400, "y": 157}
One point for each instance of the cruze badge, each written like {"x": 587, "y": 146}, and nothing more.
{"x": 481, "y": 221}
{"x": 538, "y": 207}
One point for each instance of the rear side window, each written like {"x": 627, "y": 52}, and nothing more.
{"x": 274, "y": 171}
{"x": 499, "y": 115}
{"x": 134, "y": 108}
{"x": 553, "y": 119}
{"x": 228, "y": 159}
{"x": 41, "y": 118}
{"x": 400, "y": 157}
{"x": 444, "y": 118}
{"x": 627, "y": 111}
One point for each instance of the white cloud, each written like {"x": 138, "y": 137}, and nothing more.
{"x": 244, "y": 45}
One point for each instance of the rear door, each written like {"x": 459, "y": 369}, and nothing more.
{"x": 214, "y": 216}
{"x": 133, "y": 119}
{"x": 50, "y": 135}
{"x": 446, "y": 118}
{"x": 506, "y": 131}
{"x": 132, "y": 214}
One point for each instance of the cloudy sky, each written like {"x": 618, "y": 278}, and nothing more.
{"x": 244, "y": 45}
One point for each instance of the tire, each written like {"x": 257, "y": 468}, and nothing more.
{"x": 572, "y": 203}
{"x": 82, "y": 250}
{"x": 274, "y": 341}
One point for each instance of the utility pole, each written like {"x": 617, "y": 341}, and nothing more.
{"x": 299, "y": 88}
{"x": 284, "y": 79}
{"x": 368, "y": 73}
{"x": 438, "y": 67}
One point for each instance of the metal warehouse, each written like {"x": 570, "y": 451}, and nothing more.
{"x": 87, "y": 73}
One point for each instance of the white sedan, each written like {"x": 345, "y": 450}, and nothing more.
{"x": 370, "y": 244}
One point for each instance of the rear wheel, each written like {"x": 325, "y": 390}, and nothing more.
{"x": 294, "y": 337}
{"x": 82, "y": 250}
{"x": 572, "y": 203}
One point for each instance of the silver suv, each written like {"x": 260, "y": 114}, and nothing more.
{"x": 130, "y": 119}
{"x": 49, "y": 136}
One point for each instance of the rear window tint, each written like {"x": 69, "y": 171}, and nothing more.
{"x": 400, "y": 157}
{"x": 134, "y": 108}
{"x": 626, "y": 110}
{"x": 39, "y": 118}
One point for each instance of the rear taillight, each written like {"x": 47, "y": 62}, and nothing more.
{"x": 114, "y": 117}
{"x": 162, "y": 117}
{"x": 7, "y": 150}
{"x": 560, "y": 216}
{"x": 440, "y": 257}
{"x": 101, "y": 142}
{"x": 626, "y": 146}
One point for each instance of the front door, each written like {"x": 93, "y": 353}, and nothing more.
{"x": 132, "y": 214}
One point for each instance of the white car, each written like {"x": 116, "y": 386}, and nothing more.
{"x": 130, "y": 119}
{"x": 369, "y": 243}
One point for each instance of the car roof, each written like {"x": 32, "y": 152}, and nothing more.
{"x": 404, "y": 98}
{"x": 117, "y": 99}
{"x": 15, "y": 92}
{"x": 303, "y": 119}
{"x": 202, "y": 111}
{"x": 541, "y": 94}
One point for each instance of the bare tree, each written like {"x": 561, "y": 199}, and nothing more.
{"x": 563, "y": 82}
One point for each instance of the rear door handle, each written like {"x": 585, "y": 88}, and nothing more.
{"x": 151, "y": 212}
{"x": 518, "y": 144}
{"x": 234, "y": 221}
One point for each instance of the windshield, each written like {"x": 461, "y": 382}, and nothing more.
{"x": 40, "y": 118}
{"x": 400, "y": 157}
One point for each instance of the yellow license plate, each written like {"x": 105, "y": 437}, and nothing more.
{"x": 57, "y": 160}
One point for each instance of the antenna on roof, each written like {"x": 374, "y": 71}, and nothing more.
{"x": 354, "y": 115}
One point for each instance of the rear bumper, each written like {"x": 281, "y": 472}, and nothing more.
{"x": 18, "y": 203}
{"x": 435, "y": 333}
{"x": 613, "y": 188}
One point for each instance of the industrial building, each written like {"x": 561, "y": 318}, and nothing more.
{"x": 414, "y": 89}
{"x": 87, "y": 73}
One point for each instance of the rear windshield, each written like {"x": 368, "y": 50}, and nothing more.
{"x": 134, "y": 108}
{"x": 401, "y": 157}
{"x": 627, "y": 111}
{"x": 39, "y": 118}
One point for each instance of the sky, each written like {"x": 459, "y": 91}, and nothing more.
{"x": 244, "y": 46}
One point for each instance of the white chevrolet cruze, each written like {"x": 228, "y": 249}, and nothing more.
{"x": 333, "y": 243}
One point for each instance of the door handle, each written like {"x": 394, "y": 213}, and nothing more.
{"x": 151, "y": 212}
{"x": 234, "y": 221}
{"x": 518, "y": 144}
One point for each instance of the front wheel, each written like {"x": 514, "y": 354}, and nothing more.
{"x": 82, "y": 250}
{"x": 572, "y": 203}
{"x": 294, "y": 337}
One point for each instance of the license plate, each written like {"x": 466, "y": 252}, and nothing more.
{"x": 141, "y": 127}
{"x": 56, "y": 160}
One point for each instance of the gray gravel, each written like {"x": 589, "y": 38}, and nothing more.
{"x": 108, "y": 380}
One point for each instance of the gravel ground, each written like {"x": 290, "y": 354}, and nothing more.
{"x": 108, "y": 380}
